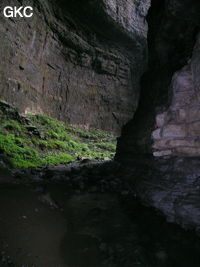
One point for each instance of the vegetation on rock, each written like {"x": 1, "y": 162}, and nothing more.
{"x": 38, "y": 140}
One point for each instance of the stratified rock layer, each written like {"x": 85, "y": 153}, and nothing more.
{"x": 78, "y": 62}
{"x": 162, "y": 142}
{"x": 173, "y": 28}
{"x": 179, "y": 126}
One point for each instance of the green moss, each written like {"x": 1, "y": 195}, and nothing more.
{"x": 110, "y": 146}
{"x": 12, "y": 126}
{"x": 49, "y": 127}
{"x": 20, "y": 153}
{"x": 58, "y": 159}
{"x": 23, "y": 155}
{"x": 93, "y": 134}
{"x": 56, "y": 142}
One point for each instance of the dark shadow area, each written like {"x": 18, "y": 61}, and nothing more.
{"x": 66, "y": 228}
{"x": 171, "y": 38}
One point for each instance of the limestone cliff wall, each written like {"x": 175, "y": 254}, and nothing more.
{"x": 78, "y": 62}
{"x": 162, "y": 142}
{"x": 173, "y": 28}
{"x": 178, "y": 128}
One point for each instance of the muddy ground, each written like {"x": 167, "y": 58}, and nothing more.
{"x": 52, "y": 225}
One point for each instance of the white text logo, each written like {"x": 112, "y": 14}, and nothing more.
{"x": 14, "y": 12}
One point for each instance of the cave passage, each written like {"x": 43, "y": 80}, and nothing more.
{"x": 52, "y": 226}
{"x": 65, "y": 201}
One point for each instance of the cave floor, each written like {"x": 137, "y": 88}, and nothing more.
{"x": 55, "y": 226}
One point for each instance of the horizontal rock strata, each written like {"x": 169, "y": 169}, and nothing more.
{"x": 78, "y": 62}
{"x": 178, "y": 129}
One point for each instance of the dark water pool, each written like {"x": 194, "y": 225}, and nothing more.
{"x": 61, "y": 228}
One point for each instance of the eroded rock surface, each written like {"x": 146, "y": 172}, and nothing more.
{"x": 173, "y": 30}
{"x": 78, "y": 62}
{"x": 87, "y": 229}
{"x": 161, "y": 143}
{"x": 179, "y": 126}
{"x": 172, "y": 186}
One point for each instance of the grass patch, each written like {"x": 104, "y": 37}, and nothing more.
{"x": 109, "y": 146}
{"x": 40, "y": 140}
{"x": 93, "y": 134}
{"x": 12, "y": 126}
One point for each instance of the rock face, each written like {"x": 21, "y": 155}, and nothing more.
{"x": 82, "y": 63}
{"x": 78, "y": 62}
{"x": 174, "y": 178}
{"x": 173, "y": 28}
{"x": 171, "y": 185}
{"x": 162, "y": 141}
{"x": 179, "y": 127}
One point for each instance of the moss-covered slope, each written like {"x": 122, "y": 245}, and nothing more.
{"x": 38, "y": 140}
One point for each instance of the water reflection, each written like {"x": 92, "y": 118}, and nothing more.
{"x": 61, "y": 228}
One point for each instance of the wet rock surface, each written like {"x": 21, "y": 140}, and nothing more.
{"x": 83, "y": 228}
{"x": 100, "y": 220}
{"x": 166, "y": 124}
{"x": 172, "y": 186}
